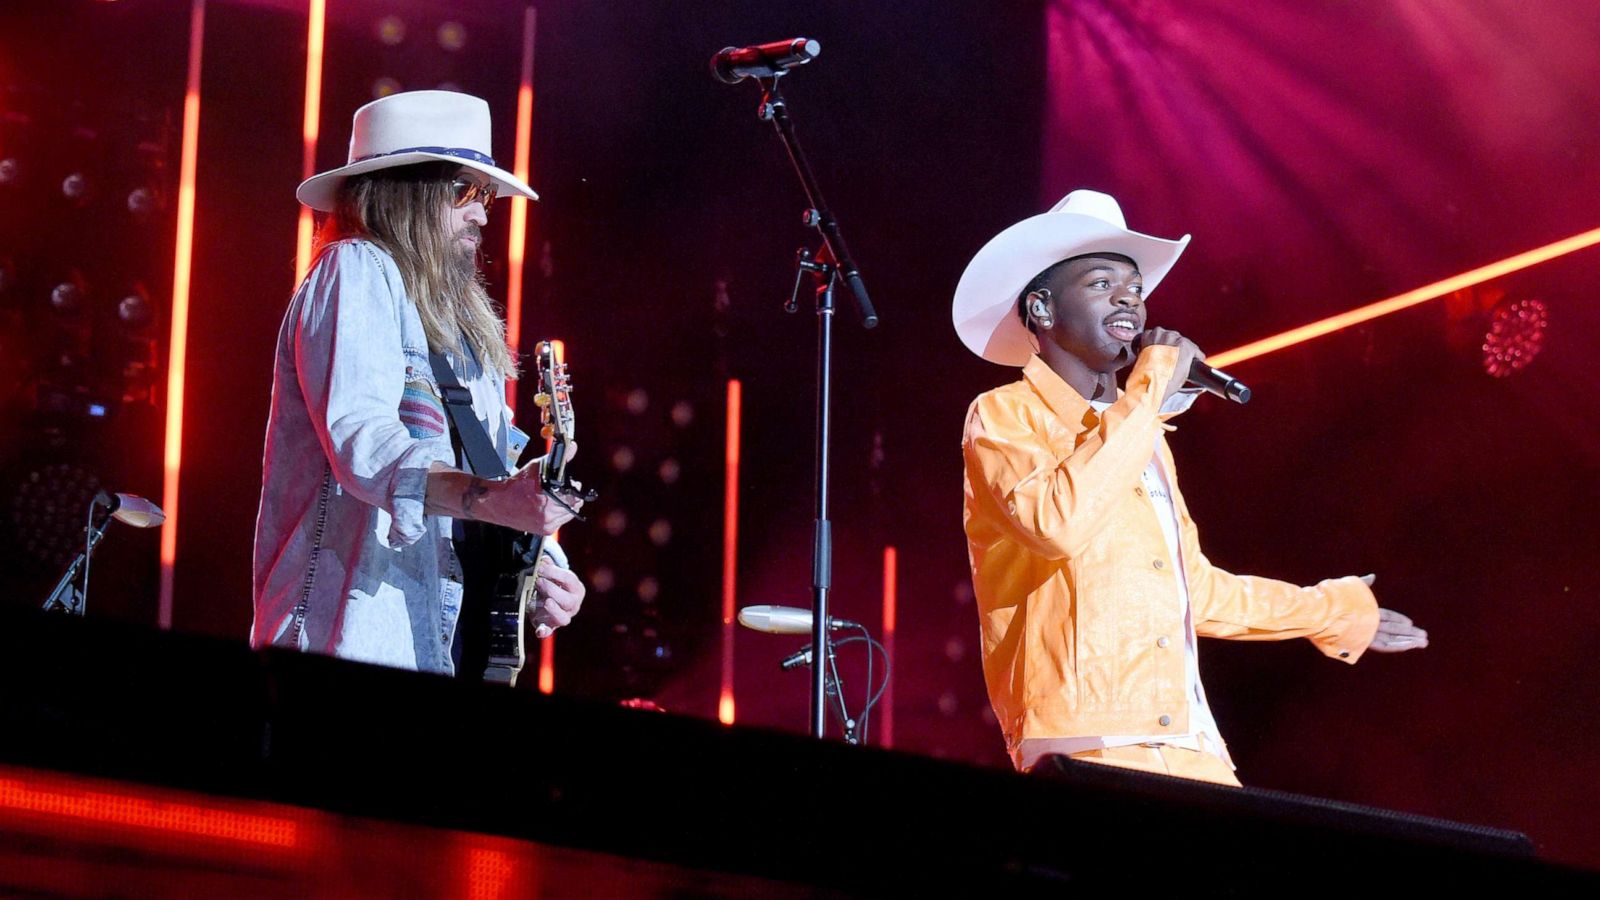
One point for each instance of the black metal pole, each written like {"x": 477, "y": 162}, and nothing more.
{"x": 833, "y": 262}
{"x": 66, "y": 595}
{"x": 822, "y": 542}
{"x": 776, "y": 110}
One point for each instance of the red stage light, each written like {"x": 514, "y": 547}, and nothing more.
{"x": 178, "y": 344}
{"x": 136, "y": 807}
{"x": 308, "y": 130}
{"x": 891, "y": 588}
{"x": 517, "y": 240}
{"x": 730, "y": 548}
{"x": 1408, "y": 299}
{"x": 1516, "y": 335}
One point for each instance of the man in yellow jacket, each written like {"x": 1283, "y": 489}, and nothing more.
{"x": 1088, "y": 572}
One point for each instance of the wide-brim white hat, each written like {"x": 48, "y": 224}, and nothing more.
{"x": 414, "y": 127}
{"x": 1084, "y": 222}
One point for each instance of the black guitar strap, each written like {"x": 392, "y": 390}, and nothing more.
{"x": 470, "y": 648}
{"x": 482, "y": 459}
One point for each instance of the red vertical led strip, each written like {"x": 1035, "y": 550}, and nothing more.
{"x": 730, "y": 549}
{"x": 183, "y": 258}
{"x": 547, "y": 646}
{"x": 308, "y": 131}
{"x": 891, "y": 577}
{"x": 519, "y": 205}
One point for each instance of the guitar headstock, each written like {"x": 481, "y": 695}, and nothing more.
{"x": 554, "y": 400}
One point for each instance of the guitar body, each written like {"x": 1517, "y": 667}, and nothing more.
{"x": 503, "y": 565}
{"x": 508, "y": 601}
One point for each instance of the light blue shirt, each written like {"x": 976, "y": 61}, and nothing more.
{"x": 347, "y": 562}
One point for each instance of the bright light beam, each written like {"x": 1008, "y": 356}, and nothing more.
{"x": 1408, "y": 299}
{"x": 178, "y": 342}
{"x": 308, "y": 132}
{"x": 518, "y": 238}
{"x": 730, "y": 547}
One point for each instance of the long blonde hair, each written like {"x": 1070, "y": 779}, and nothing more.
{"x": 401, "y": 210}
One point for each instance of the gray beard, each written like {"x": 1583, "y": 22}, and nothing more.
{"x": 465, "y": 262}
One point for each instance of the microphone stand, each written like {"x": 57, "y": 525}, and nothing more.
{"x": 66, "y": 596}
{"x": 837, "y": 689}
{"x": 825, "y": 266}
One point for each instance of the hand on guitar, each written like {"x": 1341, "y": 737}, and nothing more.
{"x": 560, "y": 594}
{"x": 518, "y": 502}
{"x": 524, "y": 504}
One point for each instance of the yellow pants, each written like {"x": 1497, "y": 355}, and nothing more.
{"x": 1164, "y": 760}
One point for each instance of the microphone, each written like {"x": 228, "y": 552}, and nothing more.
{"x": 734, "y": 64}
{"x": 1218, "y": 382}
{"x": 785, "y": 620}
{"x": 1210, "y": 380}
{"x": 801, "y": 657}
{"x": 131, "y": 510}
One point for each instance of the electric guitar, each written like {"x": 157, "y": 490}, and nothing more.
{"x": 512, "y": 595}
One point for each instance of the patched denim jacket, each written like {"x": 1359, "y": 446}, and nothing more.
{"x": 346, "y": 561}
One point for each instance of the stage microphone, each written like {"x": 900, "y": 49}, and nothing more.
{"x": 1218, "y": 382}
{"x": 1214, "y": 381}
{"x": 734, "y": 64}
{"x": 785, "y": 620}
{"x": 801, "y": 657}
{"x": 131, "y": 510}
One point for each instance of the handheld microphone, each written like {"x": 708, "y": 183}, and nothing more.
{"x": 1218, "y": 382}
{"x": 1210, "y": 380}
{"x": 734, "y": 64}
{"x": 785, "y": 620}
{"x": 131, "y": 510}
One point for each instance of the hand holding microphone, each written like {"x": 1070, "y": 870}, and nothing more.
{"x": 1191, "y": 369}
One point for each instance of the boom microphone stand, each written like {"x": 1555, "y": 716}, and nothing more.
{"x": 826, "y": 266}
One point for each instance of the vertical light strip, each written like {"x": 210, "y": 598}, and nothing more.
{"x": 891, "y": 579}
{"x": 547, "y": 646}
{"x": 308, "y": 131}
{"x": 183, "y": 258}
{"x": 547, "y": 664}
{"x": 1408, "y": 299}
{"x": 730, "y": 548}
{"x": 519, "y": 205}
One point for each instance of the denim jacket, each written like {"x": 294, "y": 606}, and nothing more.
{"x": 346, "y": 561}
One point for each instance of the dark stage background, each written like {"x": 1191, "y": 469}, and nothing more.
{"x": 1323, "y": 155}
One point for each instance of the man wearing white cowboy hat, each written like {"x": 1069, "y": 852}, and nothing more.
{"x": 361, "y": 485}
{"x": 1090, "y": 581}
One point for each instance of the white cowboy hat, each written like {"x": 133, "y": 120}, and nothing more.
{"x": 985, "y": 309}
{"x": 414, "y": 127}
